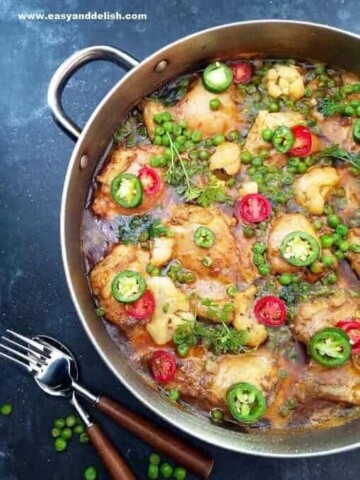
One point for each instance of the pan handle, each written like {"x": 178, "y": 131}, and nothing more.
{"x": 69, "y": 67}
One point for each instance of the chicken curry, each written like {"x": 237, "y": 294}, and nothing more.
{"x": 222, "y": 238}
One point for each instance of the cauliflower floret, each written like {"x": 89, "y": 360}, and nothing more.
{"x": 285, "y": 80}
{"x": 312, "y": 189}
{"x": 245, "y": 318}
{"x": 226, "y": 157}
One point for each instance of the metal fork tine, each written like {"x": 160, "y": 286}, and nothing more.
{"x": 31, "y": 360}
{"x": 27, "y": 349}
{"x": 30, "y": 341}
{"x": 19, "y": 362}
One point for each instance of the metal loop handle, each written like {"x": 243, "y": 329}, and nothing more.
{"x": 69, "y": 67}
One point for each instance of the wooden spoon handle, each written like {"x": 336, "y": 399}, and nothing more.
{"x": 183, "y": 454}
{"x": 110, "y": 457}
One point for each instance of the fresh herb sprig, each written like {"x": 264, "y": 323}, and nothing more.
{"x": 334, "y": 151}
{"x": 140, "y": 229}
{"x": 218, "y": 339}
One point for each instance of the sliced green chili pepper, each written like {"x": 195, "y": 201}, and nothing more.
{"x": 217, "y": 77}
{"x": 246, "y": 402}
{"x": 330, "y": 347}
{"x": 204, "y": 237}
{"x": 300, "y": 249}
{"x": 126, "y": 190}
{"x": 283, "y": 139}
{"x": 128, "y": 286}
{"x": 356, "y": 131}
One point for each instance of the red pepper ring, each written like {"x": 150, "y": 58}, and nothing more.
{"x": 350, "y": 326}
{"x": 254, "y": 208}
{"x": 163, "y": 366}
{"x": 302, "y": 141}
{"x": 271, "y": 311}
{"x": 142, "y": 308}
{"x": 150, "y": 180}
{"x": 242, "y": 72}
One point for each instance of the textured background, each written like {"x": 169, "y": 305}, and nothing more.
{"x": 34, "y": 154}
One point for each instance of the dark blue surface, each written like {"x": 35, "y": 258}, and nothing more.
{"x": 34, "y": 154}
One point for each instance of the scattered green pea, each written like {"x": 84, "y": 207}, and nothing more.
{"x": 215, "y": 104}
{"x": 174, "y": 394}
{"x": 264, "y": 269}
{"x": 182, "y": 349}
{"x": 79, "y": 429}
{"x": 267, "y": 134}
{"x": 55, "y": 432}
{"x": 249, "y": 232}
{"x": 232, "y": 290}
{"x": 327, "y": 260}
{"x": 179, "y": 473}
{"x": 166, "y": 470}
{"x": 90, "y": 473}
{"x": 246, "y": 157}
{"x": 155, "y": 459}
{"x": 59, "y": 423}
{"x": 333, "y": 220}
{"x": 153, "y": 472}
{"x": 66, "y": 433}
{"x": 60, "y": 444}
{"x": 218, "y": 139}
{"x": 285, "y": 279}
{"x": 6, "y": 409}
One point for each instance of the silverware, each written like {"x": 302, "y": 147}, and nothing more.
{"x": 52, "y": 370}
{"x": 66, "y": 381}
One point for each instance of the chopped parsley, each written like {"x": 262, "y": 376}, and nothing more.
{"x": 140, "y": 229}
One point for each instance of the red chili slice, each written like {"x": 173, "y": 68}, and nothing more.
{"x": 303, "y": 141}
{"x": 254, "y": 208}
{"x": 150, "y": 180}
{"x": 270, "y": 311}
{"x": 242, "y": 72}
{"x": 352, "y": 328}
{"x": 142, "y": 308}
{"x": 163, "y": 366}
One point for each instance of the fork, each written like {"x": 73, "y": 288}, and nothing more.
{"x": 49, "y": 369}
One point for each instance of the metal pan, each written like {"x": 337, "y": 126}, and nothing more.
{"x": 267, "y": 38}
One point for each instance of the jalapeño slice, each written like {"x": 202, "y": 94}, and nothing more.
{"x": 246, "y": 402}
{"x": 330, "y": 347}
{"x": 126, "y": 190}
{"x": 217, "y": 77}
{"x": 300, "y": 249}
{"x": 128, "y": 286}
{"x": 283, "y": 139}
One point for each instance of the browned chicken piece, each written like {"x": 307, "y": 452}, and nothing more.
{"x": 122, "y": 257}
{"x": 226, "y": 266}
{"x": 280, "y": 228}
{"x": 258, "y": 368}
{"x": 129, "y": 160}
{"x": 227, "y": 158}
{"x": 313, "y": 188}
{"x": 354, "y": 258}
{"x": 245, "y": 318}
{"x": 194, "y": 108}
{"x": 322, "y": 313}
{"x": 341, "y": 384}
{"x": 351, "y": 185}
{"x": 338, "y": 130}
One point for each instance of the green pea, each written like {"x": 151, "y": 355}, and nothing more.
{"x": 159, "y": 131}
{"x": 204, "y": 155}
{"x": 232, "y": 290}
{"x": 6, "y": 409}
{"x": 327, "y": 261}
{"x": 153, "y": 472}
{"x": 342, "y": 230}
{"x": 196, "y": 136}
{"x": 182, "y": 123}
{"x": 84, "y": 438}
{"x": 166, "y": 470}
{"x": 181, "y": 139}
{"x": 258, "y": 259}
{"x": 182, "y": 349}
{"x": 291, "y": 169}
{"x": 249, "y": 232}
{"x": 288, "y": 178}
{"x": 79, "y": 429}
{"x": 344, "y": 246}
{"x": 280, "y": 197}
{"x": 187, "y": 133}
{"x": 55, "y": 432}
{"x": 165, "y": 141}
{"x": 71, "y": 421}
{"x": 348, "y": 111}
{"x": 264, "y": 269}
{"x": 309, "y": 161}
{"x": 215, "y": 104}
{"x": 179, "y": 473}
{"x": 257, "y": 162}
{"x": 316, "y": 267}
{"x": 285, "y": 279}
{"x": 267, "y": 134}
{"x": 218, "y": 139}
{"x": 166, "y": 117}
{"x": 355, "y": 247}
{"x": 60, "y": 444}
{"x": 317, "y": 224}
{"x": 177, "y": 130}
{"x": 157, "y": 140}
{"x": 174, "y": 394}
{"x": 90, "y": 473}
{"x": 208, "y": 143}
{"x": 231, "y": 182}
{"x": 326, "y": 240}
{"x": 274, "y": 107}
{"x": 66, "y": 433}
{"x": 157, "y": 118}
{"x": 302, "y": 167}
{"x": 333, "y": 220}
{"x": 293, "y": 161}
{"x": 259, "y": 247}
{"x": 189, "y": 145}
{"x": 59, "y": 423}
{"x": 264, "y": 155}
{"x": 251, "y": 171}
{"x": 331, "y": 278}
{"x": 357, "y": 111}
{"x": 155, "y": 458}
{"x": 194, "y": 155}
{"x": 246, "y": 157}
{"x": 234, "y": 136}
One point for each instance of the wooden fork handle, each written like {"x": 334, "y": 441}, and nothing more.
{"x": 110, "y": 457}
{"x": 183, "y": 454}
